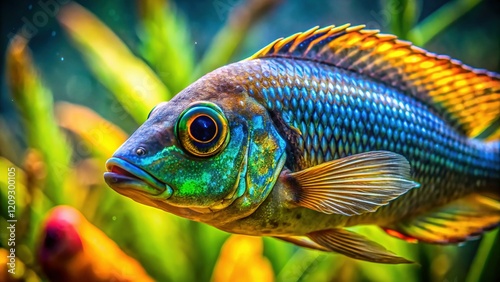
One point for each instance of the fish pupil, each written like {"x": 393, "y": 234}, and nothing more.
{"x": 203, "y": 128}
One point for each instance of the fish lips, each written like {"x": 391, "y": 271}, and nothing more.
{"x": 123, "y": 176}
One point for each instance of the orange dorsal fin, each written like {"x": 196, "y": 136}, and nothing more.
{"x": 468, "y": 98}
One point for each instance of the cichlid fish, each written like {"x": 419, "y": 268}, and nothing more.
{"x": 323, "y": 130}
{"x": 72, "y": 249}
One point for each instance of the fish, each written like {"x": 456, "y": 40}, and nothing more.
{"x": 72, "y": 249}
{"x": 324, "y": 130}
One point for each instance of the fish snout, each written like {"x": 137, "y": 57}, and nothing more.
{"x": 127, "y": 178}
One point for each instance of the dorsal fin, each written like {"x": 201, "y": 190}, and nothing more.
{"x": 469, "y": 98}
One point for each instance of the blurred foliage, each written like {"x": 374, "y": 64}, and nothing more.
{"x": 436, "y": 22}
{"x": 67, "y": 145}
{"x": 241, "y": 259}
{"x": 35, "y": 104}
{"x": 72, "y": 249}
{"x": 131, "y": 81}
{"x": 166, "y": 43}
{"x": 226, "y": 41}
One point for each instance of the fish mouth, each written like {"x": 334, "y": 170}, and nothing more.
{"x": 122, "y": 175}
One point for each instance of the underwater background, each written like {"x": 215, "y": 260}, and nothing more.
{"x": 80, "y": 78}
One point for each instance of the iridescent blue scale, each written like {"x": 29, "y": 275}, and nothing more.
{"x": 339, "y": 113}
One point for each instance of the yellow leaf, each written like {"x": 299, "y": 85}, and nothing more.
{"x": 241, "y": 260}
{"x": 102, "y": 136}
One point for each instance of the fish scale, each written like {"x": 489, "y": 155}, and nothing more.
{"x": 341, "y": 113}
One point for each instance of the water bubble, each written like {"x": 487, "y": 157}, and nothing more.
{"x": 114, "y": 217}
{"x": 62, "y": 58}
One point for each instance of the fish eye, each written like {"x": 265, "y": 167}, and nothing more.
{"x": 202, "y": 129}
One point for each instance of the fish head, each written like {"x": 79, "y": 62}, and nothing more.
{"x": 210, "y": 145}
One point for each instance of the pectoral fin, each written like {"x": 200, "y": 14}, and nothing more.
{"x": 352, "y": 185}
{"x": 458, "y": 221}
{"x": 355, "y": 246}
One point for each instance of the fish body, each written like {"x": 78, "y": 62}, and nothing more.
{"x": 325, "y": 129}
{"x": 330, "y": 113}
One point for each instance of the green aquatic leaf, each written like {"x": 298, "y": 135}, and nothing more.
{"x": 300, "y": 265}
{"x": 485, "y": 258}
{"x": 34, "y": 102}
{"x": 439, "y": 20}
{"x": 131, "y": 81}
{"x": 166, "y": 44}
{"x": 402, "y": 15}
{"x": 227, "y": 41}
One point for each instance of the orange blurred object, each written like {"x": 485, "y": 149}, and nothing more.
{"x": 101, "y": 135}
{"x": 72, "y": 249}
{"x": 241, "y": 260}
{"x": 5, "y": 266}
